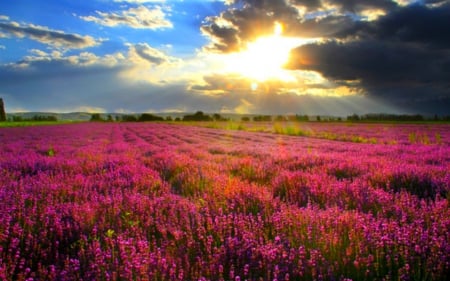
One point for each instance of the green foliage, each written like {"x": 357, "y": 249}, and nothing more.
{"x": 198, "y": 116}
{"x": 419, "y": 138}
{"x": 50, "y": 152}
{"x": 262, "y": 118}
{"x": 145, "y": 117}
{"x": 386, "y": 117}
{"x": 218, "y": 117}
{"x": 35, "y": 118}
{"x": 95, "y": 117}
{"x": 109, "y": 233}
{"x": 129, "y": 118}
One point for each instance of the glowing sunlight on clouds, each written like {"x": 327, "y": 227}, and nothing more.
{"x": 263, "y": 59}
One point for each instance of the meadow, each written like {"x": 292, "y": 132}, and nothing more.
{"x": 156, "y": 201}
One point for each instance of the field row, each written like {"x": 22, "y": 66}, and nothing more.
{"x": 373, "y": 133}
{"x": 134, "y": 201}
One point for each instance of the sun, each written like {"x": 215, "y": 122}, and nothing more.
{"x": 254, "y": 86}
{"x": 264, "y": 58}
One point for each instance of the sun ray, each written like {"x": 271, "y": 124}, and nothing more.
{"x": 264, "y": 58}
{"x": 278, "y": 28}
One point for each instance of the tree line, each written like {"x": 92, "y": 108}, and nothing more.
{"x": 35, "y": 118}
{"x": 201, "y": 116}
{"x": 147, "y": 117}
{"x": 380, "y": 117}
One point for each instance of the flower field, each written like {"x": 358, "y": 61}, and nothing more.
{"x": 146, "y": 201}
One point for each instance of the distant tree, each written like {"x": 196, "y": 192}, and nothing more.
{"x": 262, "y": 118}
{"x": 198, "y": 116}
{"x": 298, "y": 117}
{"x": 353, "y": 117}
{"x": 42, "y": 118}
{"x": 110, "y": 119}
{"x": 218, "y": 117}
{"x": 280, "y": 118}
{"x": 149, "y": 117}
{"x": 391, "y": 117}
{"x": 129, "y": 118}
{"x": 95, "y": 117}
{"x": 17, "y": 118}
{"x": 118, "y": 118}
{"x": 169, "y": 118}
{"x": 177, "y": 119}
{"x": 2, "y": 111}
{"x": 245, "y": 119}
{"x": 318, "y": 118}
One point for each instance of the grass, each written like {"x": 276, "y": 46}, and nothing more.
{"x": 285, "y": 128}
{"x": 34, "y": 123}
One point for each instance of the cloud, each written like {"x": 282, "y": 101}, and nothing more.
{"x": 402, "y": 26}
{"x": 44, "y": 81}
{"x": 80, "y": 108}
{"x": 146, "y": 64}
{"x": 40, "y": 60}
{"x": 52, "y": 81}
{"x": 221, "y": 84}
{"x": 358, "y": 7}
{"x": 246, "y": 20}
{"x": 134, "y": 17}
{"x": 143, "y": 51}
{"x": 386, "y": 50}
{"x": 45, "y": 35}
{"x": 401, "y": 57}
{"x": 233, "y": 28}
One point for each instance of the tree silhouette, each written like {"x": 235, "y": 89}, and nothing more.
{"x": 2, "y": 111}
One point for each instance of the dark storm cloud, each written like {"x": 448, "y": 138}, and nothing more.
{"x": 373, "y": 61}
{"x": 416, "y": 24}
{"x": 308, "y": 4}
{"x": 357, "y": 6}
{"x": 411, "y": 24}
{"x": 436, "y": 2}
{"x": 330, "y": 26}
{"x": 47, "y": 36}
{"x": 403, "y": 57}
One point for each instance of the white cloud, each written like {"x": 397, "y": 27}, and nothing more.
{"x": 83, "y": 108}
{"x": 45, "y": 35}
{"x": 142, "y": 52}
{"x": 405, "y": 2}
{"x": 138, "y": 17}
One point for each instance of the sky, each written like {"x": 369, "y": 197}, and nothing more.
{"x": 324, "y": 57}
